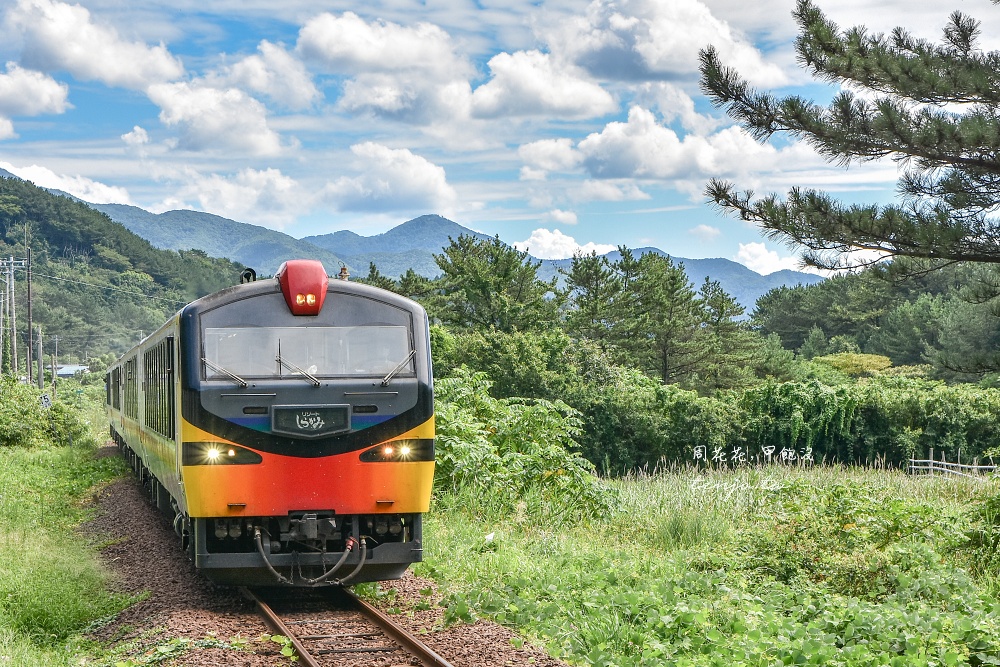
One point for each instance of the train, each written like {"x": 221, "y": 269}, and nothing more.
{"x": 286, "y": 427}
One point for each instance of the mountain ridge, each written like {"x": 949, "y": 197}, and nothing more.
{"x": 251, "y": 245}
{"x": 409, "y": 245}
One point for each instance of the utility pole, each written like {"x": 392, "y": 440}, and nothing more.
{"x": 55, "y": 363}
{"x": 13, "y": 316}
{"x": 27, "y": 366}
{"x": 8, "y": 311}
{"x": 41, "y": 361}
{"x": 3, "y": 314}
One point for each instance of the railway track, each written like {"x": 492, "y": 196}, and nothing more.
{"x": 332, "y": 626}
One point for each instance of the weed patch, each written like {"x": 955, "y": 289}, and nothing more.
{"x": 755, "y": 567}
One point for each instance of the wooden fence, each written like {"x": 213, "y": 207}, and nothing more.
{"x": 931, "y": 466}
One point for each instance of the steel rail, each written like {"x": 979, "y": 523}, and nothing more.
{"x": 278, "y": 627}
{"x": 394, "y": 632}
{"x": 421, "y": 651}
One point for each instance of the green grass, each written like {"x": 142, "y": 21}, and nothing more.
{"x": 52, "y": 585}
{"x": 759, "y": 566}
{"x": 751, "y": 567}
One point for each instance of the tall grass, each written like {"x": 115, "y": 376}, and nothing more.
{"x": 52, "y": 585}
{"x": 755, "y": 566}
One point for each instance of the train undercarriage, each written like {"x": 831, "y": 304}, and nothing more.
{"x": 304, "y": 548}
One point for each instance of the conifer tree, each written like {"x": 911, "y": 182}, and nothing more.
{"x": 488, "y": 284}
{"x": 933, "y": 107}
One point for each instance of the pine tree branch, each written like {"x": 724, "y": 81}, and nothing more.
{"x": 851, "y": 128}
{"x": 824, "y": 227}
{"x": 899, "y": 64}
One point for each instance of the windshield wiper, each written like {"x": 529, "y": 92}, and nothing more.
{"x": 292, "y": 367}
{"x": 219, "y": 369}
{"x": 399, "y": 367}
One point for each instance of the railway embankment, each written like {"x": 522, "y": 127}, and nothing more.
{"x": 784, "y": 562}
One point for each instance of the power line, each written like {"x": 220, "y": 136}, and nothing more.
{"x": 109, "y": 287}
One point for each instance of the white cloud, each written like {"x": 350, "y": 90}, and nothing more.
{"x": 651, "y": 39}
{"x": 533, "y": 83}
{"x": 392, "y": 180}
{"x": 137, "y": 137}
{"x": 553, "y": 244}
{"x": 6, "y": 129}
{"x": 674, "y": 104}
{"x": 550, "y": 155}
{"x": 407, "y": 73}
{"x": 410, "y": 99}
{"x": 532, "y": 174}
{"x": 78, "y": 186}
{"x": 593, "y": 190}
{"x": 276, "y": 73}
{"x": 643, "y": 148}
{"x": 254, "y": 196}
{"x": 25, "y": 92}
{"x": 756, "y": 257}
{"x": 63, "y": 36}
{"x": 638, "y": 148}
{"x": 705, "y": 232}
{"x": 347, "y": 44}
{"x": 211, "y": 118}
{"x": 562, "y": 217}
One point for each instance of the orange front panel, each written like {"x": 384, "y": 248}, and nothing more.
{"x": 283, "y": 484}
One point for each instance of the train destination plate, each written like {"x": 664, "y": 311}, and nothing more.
{"x": 310, "y": 421}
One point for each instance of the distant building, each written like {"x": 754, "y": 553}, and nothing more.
{"x": 69, "y": 370}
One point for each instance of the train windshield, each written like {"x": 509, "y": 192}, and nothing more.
{"x": 276, "y": 352}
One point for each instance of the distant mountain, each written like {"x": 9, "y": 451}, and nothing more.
{"x": 97, "y": 285}
{"x": 740, "y": 282}
{"x": 428, "y": 232}
{"x": 261, "y": 248}
{"x": 411, "y": 244}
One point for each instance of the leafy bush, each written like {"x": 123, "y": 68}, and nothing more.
{"x": 851, "y": 539}
{"x": 25, "y": 423}
{"x": 855, "y": 363}
{"x": 632, "y": 421}
{"x": 980, "y": 550}
{"x": 885, "y": 418}
{"x": 513, "y": 449}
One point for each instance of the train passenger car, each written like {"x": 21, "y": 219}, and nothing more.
{"x": 287, "y": 426}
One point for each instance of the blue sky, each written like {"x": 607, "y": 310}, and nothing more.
{"x": 556, "y": 124}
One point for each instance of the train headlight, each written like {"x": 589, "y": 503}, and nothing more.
{"x": 216, "y": 454}
{"x": 400, "y": 451}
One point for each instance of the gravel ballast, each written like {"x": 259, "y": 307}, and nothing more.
{"x": 208, "y": 625}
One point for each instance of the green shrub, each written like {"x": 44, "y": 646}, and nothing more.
{"x": 855, "y": 363}
{"x": 24, "y": 422}
{"x": 632, "y": 421}
{"x": 885, "y": 419}
{"x": 522, "y": 447}
{"x": 980, "y": 550}
{"x": 851, "y": 539}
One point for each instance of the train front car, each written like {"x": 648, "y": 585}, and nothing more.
{"x": 307, "y": 430}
